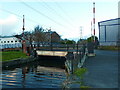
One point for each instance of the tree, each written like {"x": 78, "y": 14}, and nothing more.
{"x": 39, "y": 36}
{"x": 70, "y": 42}
{"x": 29, "y": 37}
{"x": 66, "y": 41}
{"x": 91, "y": 39}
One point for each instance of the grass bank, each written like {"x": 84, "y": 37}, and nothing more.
{"x": 11, "y": 55}
{"x": 108, "y": 48}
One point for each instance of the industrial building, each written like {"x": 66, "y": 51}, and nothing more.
{"x": 10, "y": 42}
{"x": 109, "y": 32}
{"x": 119, "y": 9}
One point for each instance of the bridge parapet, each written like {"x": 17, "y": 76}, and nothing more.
{"x": 52, "y": 53}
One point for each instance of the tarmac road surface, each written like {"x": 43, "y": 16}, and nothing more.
{"x": 102, "y": 70}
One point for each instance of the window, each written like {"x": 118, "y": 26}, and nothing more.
{"x": 8, "y": 41}
{"x": 4, "y": 41}
{"x": 11, "y": 41}
{"x": 15, "y": 41}
{"x": 1, "y": 41}
{"x": 19, "y": 40}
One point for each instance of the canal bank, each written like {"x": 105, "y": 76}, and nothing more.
{"x": 19, "y": 61}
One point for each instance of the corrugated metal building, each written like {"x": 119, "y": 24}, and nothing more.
{"x": 119, "y": 9}
{"x": 109, "y": 32}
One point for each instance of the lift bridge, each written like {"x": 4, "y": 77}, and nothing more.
{"x": 73, "y": 56}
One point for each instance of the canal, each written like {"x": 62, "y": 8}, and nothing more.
{"x": 42, "y": 73}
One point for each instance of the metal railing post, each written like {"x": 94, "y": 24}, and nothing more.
{"x": 77, "y": 48}
{"x": 67, "y": 47}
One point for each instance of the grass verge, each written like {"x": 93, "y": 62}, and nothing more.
{"x": 10, "y": 55}
{"x": 85, "y": 87}
{"x": 108, "y": 47}
{"x": 80, "y": 72}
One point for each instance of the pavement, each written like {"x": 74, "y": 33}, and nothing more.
{"x": 102, "y": 70}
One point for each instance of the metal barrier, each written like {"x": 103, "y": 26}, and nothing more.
{"x": 75, "y": 60}
{"x": 58, "y": 47}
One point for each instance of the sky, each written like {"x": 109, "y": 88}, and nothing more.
{"x": 66, "y": 17}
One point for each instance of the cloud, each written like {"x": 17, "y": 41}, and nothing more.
{"x": 8, "y": 24}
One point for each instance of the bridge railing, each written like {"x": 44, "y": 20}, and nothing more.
{"x": 76, "y": 60}
{"x": 59, "y": 47}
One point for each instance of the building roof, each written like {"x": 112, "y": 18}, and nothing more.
{"x": 53, "y": 32}
{"x": 109, "y": 20}
{"x": 6, "y": 36}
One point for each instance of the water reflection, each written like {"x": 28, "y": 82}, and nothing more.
{"x": 25, "y": 70}
{"x": 34, "y": 75}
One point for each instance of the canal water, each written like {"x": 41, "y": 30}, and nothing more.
{"x": 38, "y": 74}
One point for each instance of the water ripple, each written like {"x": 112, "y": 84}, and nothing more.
{"x": 33, "y": 77}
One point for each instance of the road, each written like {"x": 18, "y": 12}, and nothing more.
{"x": 102, "y": 70}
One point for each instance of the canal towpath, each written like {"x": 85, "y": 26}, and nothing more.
{"x": 102, "y": 70}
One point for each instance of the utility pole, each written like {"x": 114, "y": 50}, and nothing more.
{"x": 80, "y": 33}
{"x": 23, "y": 25}
{"x": 90, "y": 45}
{"x": 91, "y": 28}
{"x": 23, "y": 37}
{"x": 94, "y": 20}
{"x": 92, "y": 32}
